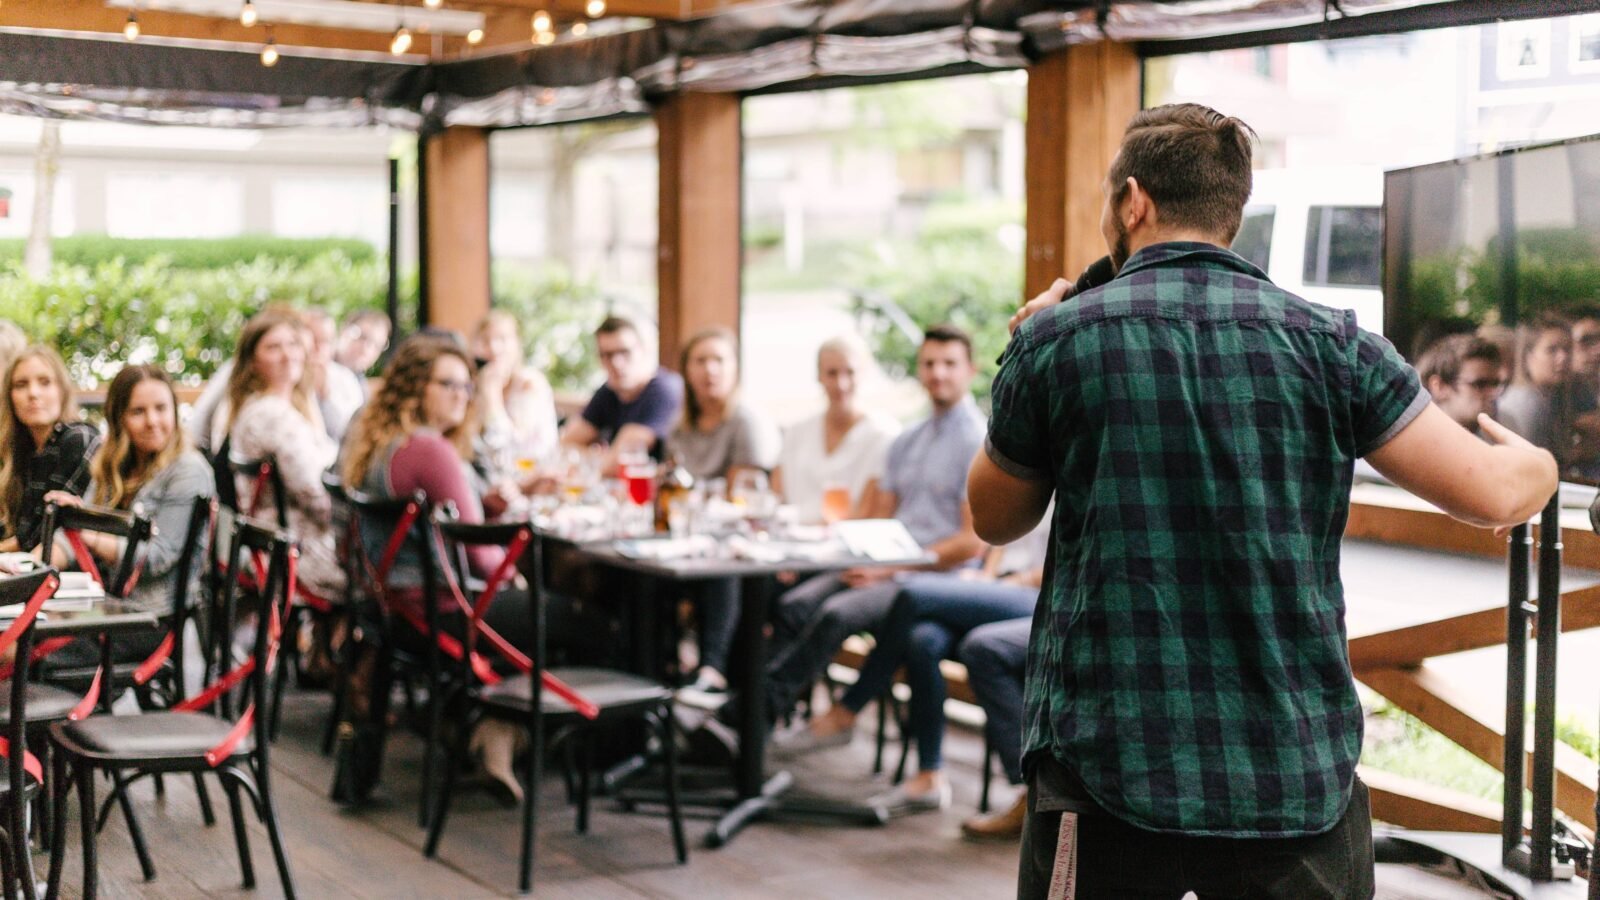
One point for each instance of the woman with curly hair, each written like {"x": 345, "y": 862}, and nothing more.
{"x": 271, "y": 411}
{"x": 417, "y": 434}
{"x": 43, "y": 445}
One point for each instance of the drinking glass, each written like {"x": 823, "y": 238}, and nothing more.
{"x": 835, "y": 503}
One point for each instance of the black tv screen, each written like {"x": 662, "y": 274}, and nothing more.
{"x": 1503, "y": 249}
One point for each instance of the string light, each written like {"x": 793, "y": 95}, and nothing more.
{"x": 433, "y": 4}
{"x": 269, "y": 52}
{"x": 247, "y": 14}
{"x": 579, "y": 29}
{"x": 475, "y": 36}
{"x": 131, "y": 29}
{"x": 541, "y": 22}
{"x": 595, "y": 8}
{"x": 401, "y": 42}
{"x": 545, "y": 37}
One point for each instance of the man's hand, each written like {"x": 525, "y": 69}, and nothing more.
{"x": 864, "y": 577}
{"x": 1058, "y": 291}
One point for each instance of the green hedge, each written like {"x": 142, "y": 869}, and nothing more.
{"x": 192, "y": 253}
{"x": 187, "y": 320}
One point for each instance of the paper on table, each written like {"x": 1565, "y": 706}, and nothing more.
{"x": 667, "y": 548}
{"x": 878, "y": 539}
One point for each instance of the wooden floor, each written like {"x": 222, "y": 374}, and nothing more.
{"x": 375, "y": 852}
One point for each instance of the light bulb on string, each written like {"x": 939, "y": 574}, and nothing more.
{"x": 475, "y": 36}
{"x": 545, "y": 37}
{"x": 433, "y": 4}
{"x": 130, "y": 29}
{"x": 269, "y": 52}
{"x": 401, "y": 41}
{"x": 595, "y": 8}
{"x": 247, "y": 14}
{"x": 541, "y": 21}
{"x": 579, "y": 29}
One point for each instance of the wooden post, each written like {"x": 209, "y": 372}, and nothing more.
{"x": 1079, "y": 102}
{"x": 699, "y": 242}
{"x": 455, "y": 238}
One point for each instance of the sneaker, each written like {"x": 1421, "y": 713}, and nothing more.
{"x": 708, "y": 691}
{"x": 1005, "y": 825}
{"x": 899, "y": 800}
{"x": 802, "y": 740}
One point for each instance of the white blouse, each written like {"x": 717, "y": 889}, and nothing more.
{"x": 808, "y": 468}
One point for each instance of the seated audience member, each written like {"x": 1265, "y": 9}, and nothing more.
{"x": 362, "y": 340}
{"x": 996, "y": 657}
{"x": 202, "y": 423}
{"x": 639, "y": 403}
{"x": 1463, "y": 374}
{"x": 270, "y": 410}
{"x": 930, "y": 618}
{"x": 842, "y": 447}
{"x": 515, "y": 403}
{"x": 925, "y": 487}
{"x": 43, "y": 445}
{"x": 12, "y": 340}
{"x": 417, "y": 434}
{"x": 340, "y": 392}
{"x": 718, "y": 436}
{"x": 1535, "y": 406}
{"x": 144, "y": 464}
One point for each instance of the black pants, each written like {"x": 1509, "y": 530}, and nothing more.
{"x": 1115, "y": 859}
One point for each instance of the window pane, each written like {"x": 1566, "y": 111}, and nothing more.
{"x": 1254, "y": 240}
{"x": 1343, "y": 246}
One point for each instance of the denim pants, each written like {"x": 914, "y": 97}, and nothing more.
{"x": 813, "y": 619}
{"x": 996, "y": 656}
{"x": 928, "y": 619}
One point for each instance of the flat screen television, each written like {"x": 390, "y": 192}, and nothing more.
{"x": 1506, "y": 246}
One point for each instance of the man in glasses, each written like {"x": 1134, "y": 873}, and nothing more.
{"x": 637, "y": 406}
{"x": 1464, "y": 374}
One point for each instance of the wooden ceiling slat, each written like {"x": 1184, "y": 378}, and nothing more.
{"x": 93, "y": 16}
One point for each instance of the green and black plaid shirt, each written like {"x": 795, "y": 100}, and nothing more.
{"x": 1199, "y": 427}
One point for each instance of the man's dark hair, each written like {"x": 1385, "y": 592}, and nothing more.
{"x": 1446, "y": 357}
{"x": 615, "y": 325}
{"x": 1576, "y": 314}
{"x": 945, "y": 333}
{"x": 1193, "y": 161}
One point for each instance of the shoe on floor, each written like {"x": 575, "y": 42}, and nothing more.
{"x": 1005, "y": 825}
{"x": 802, "y": 740}
{"x": 708, "y": 691}
{"x": 899, "y": 800}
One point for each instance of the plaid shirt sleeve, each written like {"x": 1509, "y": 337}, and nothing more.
{"x": 83, "y": 445}
{"x": 1018, "y": 440}
{"x": 1385, "y": 392}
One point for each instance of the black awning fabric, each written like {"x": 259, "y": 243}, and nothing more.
{"x": 755, "y": 47}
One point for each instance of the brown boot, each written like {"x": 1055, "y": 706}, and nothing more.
{"x": 1005, "y": 825}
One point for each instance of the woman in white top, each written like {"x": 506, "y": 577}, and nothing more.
{"x": 517, "y": 409}
{"x": 841, "y": 447}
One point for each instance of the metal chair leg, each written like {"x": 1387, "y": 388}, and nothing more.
{"x": 988, "y": 771}
{"x": 86, "y": 813}
{"x": 240, "y": 837}
{"x": 663, "y": 720}
{"x": 267, "y": 809}
{"x": 204, "y": 796}
{"x": 584, "y": 777}
{"x": 135, "y": 832}
{"x": 61, "y": 780}
{"x": 441, "y": 803}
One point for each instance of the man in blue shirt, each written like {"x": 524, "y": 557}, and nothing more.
{"x": 924, "y": 486}
{"x": 639, "y": 403}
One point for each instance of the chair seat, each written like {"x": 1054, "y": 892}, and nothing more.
{"x": 609, "y": 689}
{"x": 151, "y": 735}
{"x": 46, "y": 703}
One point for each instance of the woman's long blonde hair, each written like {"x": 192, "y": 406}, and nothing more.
{"x": 119, "y": 469}
{"x": 244, "y": 383}
{"x": 396, "y": 409}
{"x": 691, "y": 403}
{"x": 16, "y": 444}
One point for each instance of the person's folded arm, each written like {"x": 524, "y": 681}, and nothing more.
{"x": 1489, "y": 485}
{"x": 1005, "y": 505}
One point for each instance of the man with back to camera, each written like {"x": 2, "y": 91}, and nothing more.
{"x": 1464, "y": 374}
{"x": 636, "y": 408}
{"x": 1190, "y": 721}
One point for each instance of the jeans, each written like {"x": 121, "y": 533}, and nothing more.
{"x": 928, "y": 618}
{"x": 813, "y": 619}
{"x": 996, "y": 656}
{"x": 716, "y": 606}
{"x": 1115, "y": 859}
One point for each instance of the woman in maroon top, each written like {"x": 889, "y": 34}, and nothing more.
{"x": 416, "y": 434}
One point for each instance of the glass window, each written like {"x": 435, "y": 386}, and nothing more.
{"x": 1254, "y": 240}
{"x": 1523, "y": 49}
{"x": 1343, "y": 246}
{"x": 142, "y": 206}
{"x": 1586, "y": 43}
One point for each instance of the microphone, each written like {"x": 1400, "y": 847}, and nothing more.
{"x": 1099, "y": 272}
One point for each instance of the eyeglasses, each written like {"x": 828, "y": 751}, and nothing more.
{"x": 459, "y": 387}
{"x": 1484, "y": 385}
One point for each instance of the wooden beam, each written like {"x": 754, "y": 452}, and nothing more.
{"x": 1079, "y": 103}
{"x": 1477, "y": 724}
{"x": 1412, "y": 804}
{"x": 1412, "y": 645}
{"x": 93, "y": 17}
{"x": 644, "y": 9}
{"x": 699, "y": 242}
{"x": 456, "y": 239}
{"x": 1412, "y": 523}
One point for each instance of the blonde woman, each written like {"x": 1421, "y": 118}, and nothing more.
{"x": 43, "y": 445}
{"x": 515, "y": 403}
{"x": 841, "y": 449}
{"x": 271, "y": 410}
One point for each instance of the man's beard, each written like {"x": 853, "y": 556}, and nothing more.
{"x": 1119, "y": 249}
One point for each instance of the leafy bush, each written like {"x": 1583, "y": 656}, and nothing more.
{"x": 191, "y": 253}
{"x": 558, "y": 314}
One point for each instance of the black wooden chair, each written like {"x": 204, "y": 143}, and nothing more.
{"x": 575, "y": 699}
{"x": 24, "y": 595}
{"x": 204, "y": 733}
